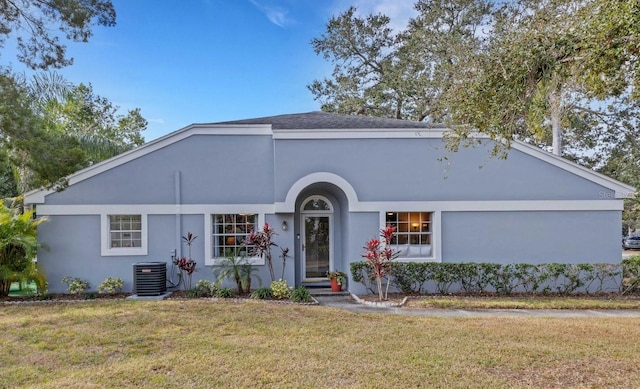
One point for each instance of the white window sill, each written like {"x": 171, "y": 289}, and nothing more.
{"x": 416, "y": 259}
{"x": 124, "y": 252}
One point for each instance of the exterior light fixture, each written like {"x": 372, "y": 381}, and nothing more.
{"x": 285, "y": 226}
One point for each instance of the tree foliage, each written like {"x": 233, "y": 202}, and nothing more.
{"x": 379, "y": 72}
{"x": 18, "y": 245}
{"x": 37, "y": 150}
{"x": 38, "y": 25}
{"x": 45, "y": 156}
{"x": 51, "y": 128}
{"x": 548, "y": 72}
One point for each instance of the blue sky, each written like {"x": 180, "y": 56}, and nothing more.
{"x": 199, "y": 61}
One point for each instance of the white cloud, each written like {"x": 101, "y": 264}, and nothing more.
{"x": 276, "y": 14}
{"x": 399, "y": 11}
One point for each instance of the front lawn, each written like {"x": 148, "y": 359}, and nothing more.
{"x": 204, "y": 344}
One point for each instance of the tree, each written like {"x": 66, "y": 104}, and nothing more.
{"x": 363, "y": 52}
{"x": 38, "y": 24}
{"x": 542, "y": 73}
{"x": 548, "y": 72}
{"x": 27, "y": 142}
{"x": 91, "y": 119}
{"x": 399, "y": 75}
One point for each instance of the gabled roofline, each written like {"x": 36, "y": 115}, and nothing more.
{"x": 37, "y": 196}
{"x": 621, "y": 190}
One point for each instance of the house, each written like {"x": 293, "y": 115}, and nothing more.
{"x": 327, "y": 183}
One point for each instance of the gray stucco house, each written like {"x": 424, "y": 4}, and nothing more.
{"x": 327, "y": 183}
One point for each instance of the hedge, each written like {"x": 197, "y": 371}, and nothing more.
{"x": 470, "y": 277}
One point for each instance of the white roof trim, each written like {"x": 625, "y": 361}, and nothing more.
{"x": 354, "y": 206}
{"x": 38, "y": 196}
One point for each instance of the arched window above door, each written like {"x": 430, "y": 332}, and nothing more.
{"x": 317, "y": 204}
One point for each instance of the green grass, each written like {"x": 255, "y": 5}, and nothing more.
{"x": 204, "y": 344}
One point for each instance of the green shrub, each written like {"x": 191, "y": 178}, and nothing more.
{"x": 192, "y": 293}
{"x": 224, "y": 292}
{"x": 631, "y": 274}
{"x": 262, "y": 293}
{"x": 111, "y": 285}
{"x": 301, "y": 295}
{"x": 505, "y": 279}
{"x": 75, "y": 285}
{"x": 280, "y": 290}
{"x": 362, "y": 272}
{"x": 205, "y": 288}
{"x": 411, "y": 277}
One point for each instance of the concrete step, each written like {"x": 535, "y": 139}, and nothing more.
{"x": 319, "y": 291}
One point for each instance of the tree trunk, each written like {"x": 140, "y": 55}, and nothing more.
{"x": 556, "y": 121}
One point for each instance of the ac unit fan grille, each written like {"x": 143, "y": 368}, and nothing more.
{"x": 149, "y": 278}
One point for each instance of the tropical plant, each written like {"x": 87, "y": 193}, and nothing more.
{"x": 18, "y": 245}
{"x": 111, "y": 285}
{"x": 224, "y": 293}
{"x": 186, "y": 265}
{"x": 337, "y": 275}
{"x": 263, "y": 293}
{"x": 379, "y": 254}
{"x": 75, "y": 285}
{"x": 300, "y": 295}
{"x": 280, "y": 290}
{"x": 284, "y": 254}
{"x": 259, "y": 244}
{"x": 205, "y": 288}
{"x": 237, "y": 269}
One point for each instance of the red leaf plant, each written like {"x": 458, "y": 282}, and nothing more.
{"x": 379, "y": 254}
{"x": 187, "y": 265}
{"x": 259, "y": 244}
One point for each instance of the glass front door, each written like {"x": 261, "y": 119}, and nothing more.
{"x": 316, "y": 248}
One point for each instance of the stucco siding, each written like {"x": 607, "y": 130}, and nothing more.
{"x": 362, "y": 227}
{"x": 212, "y": 170}
{"x": 532, "y": 237}
{"x": 422, "y": 170}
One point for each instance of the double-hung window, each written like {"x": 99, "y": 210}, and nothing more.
{"x": 414, "y": 233}
{"x": 124, "y": 234}
{"x": 229, "y": 231}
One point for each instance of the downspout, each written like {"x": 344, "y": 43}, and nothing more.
{"x": 178, "y": 214}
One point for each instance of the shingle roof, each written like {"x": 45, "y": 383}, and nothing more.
{"x": 325, "y": 120}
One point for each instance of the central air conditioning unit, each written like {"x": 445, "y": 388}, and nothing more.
{"x": 149, "y": 278}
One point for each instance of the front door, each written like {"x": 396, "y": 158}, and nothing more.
{"x": 317, "y": 246}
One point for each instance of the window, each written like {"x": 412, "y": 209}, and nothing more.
{"x": 124, "y": 234}
{"x": 228, "y": 232}
{"x": 125, "y": 230}
{"x": 413, "y": 233}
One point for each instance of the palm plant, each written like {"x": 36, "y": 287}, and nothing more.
{"x": 18, "y": 246}
{"x": 238, "y": 269}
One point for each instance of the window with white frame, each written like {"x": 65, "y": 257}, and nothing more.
{"x": 414, "y": 233}
{"x": 125, "y": 231}
{"x": 229, "y": 231}
{"x": 124, "y": 234}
